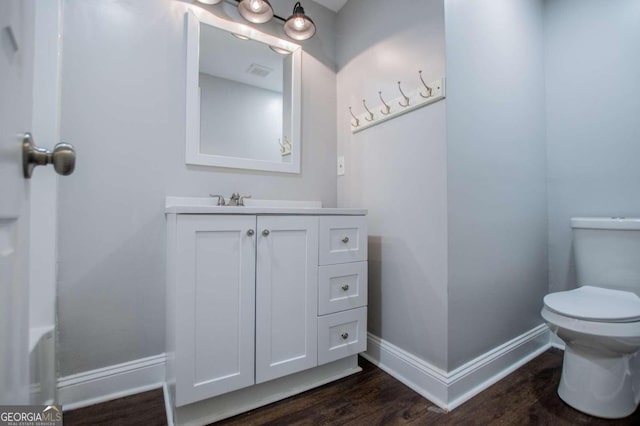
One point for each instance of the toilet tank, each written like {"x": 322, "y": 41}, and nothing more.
{"x": 607, "y": 252}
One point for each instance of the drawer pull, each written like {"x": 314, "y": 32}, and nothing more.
{"x": 344, "y": 335}
{"x": 345, "y": 240}
{"x": 345, "y": 287}
{"x": 266, "y": 233}
{"x": 250, "y": 232}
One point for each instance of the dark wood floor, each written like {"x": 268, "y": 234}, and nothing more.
{"x": 527, "y": 396}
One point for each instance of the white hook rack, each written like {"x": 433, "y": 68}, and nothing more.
{"x": 403, "y": 104}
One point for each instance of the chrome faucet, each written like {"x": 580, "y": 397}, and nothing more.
{"x": 220, "y": 199}
{"x": 234, "y": 200}
{"x": 237, "y": 200}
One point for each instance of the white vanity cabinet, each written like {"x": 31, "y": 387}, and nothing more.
{"x": 255, "y": 311}
{"x": 287, "y": 288}
{"x": 215, "y": 261}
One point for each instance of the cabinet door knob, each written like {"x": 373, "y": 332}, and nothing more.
{"x": 345, "y": 287}
{"x": 344, "y": 335}
{"x": 266, "y": 232}
{"x": 250, "y": 232}
{"x": 345, "y": 240}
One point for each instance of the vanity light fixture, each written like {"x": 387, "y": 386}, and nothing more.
{"x": 299, "y": 26}
{"x": 280, "y": 50}
{"x": 240, "y": 36}
{"x": 256, "y": 11}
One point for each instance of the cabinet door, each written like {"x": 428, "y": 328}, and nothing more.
{"x": 287, "y": 295}
{"x": 215, "y": 306}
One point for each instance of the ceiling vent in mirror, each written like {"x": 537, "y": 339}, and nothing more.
{"x": 259, "y": 70}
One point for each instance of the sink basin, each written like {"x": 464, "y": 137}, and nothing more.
{"x": 208, "y": 205}
{"x": 248, "y": 202}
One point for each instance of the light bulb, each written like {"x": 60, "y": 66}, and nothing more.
{"x": 255, "y": 5}
{"x": 298, "y": 23}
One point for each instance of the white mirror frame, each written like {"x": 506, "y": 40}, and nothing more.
{"x": 194, "y": 156}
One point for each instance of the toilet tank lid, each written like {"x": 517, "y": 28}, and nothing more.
{"x": 595, "y": 304}
{"x": 628, "y": 223}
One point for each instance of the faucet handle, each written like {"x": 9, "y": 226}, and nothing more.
{"x": 242, "y": 197}
{"x": 220, "y": 199}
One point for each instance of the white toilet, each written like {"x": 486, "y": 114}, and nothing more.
{"x": 600, "y": 320}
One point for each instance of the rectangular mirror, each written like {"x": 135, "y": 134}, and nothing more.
{"x": 243, "y": 96}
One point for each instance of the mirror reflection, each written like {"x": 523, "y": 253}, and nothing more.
{"x": 243, "y": 90}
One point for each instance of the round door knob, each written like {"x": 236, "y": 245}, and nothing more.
{"x": 344, "y": 335}
{"x": 345, "y": 287}
{"x": 250, "y": 232}
{"x": 345, "y": 240}
{"x": 64, "y": 159}
{"x": 266, "y": 232}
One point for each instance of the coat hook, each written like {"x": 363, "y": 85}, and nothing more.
{"x": 370, "y": 118}
{"x": 406, "y": 98}
{"x": 429, "y": 89}
{"x": 355, "y": 118}
{"x": 386, "y": 107}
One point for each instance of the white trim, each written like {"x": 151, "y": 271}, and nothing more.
{"x": 193, "y": 155}
{"x": 447, "y": 390}
{"x": 240, "y": 401}
{"x": 108, "y": 383}
{"x": 168, "y": 406}
{"x": 421, "y": 376}
{"x": 450, "y": 389}
{"x": 478, "y": 374}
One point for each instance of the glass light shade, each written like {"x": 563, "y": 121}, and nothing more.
{"x": 299, "y": 26}
{"x": 240, "y": 36}
{"x": 256, "y": 11}
{"x": 210, "y": 1}
{"x": 280, "y": 50}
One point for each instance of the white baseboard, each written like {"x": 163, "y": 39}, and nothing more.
{"x": 445, "y": 389}
{"x": 424, "y": 378}
{"x": 168, "y": 407}
{"x": 116, "y": 381}
{"x": 478, "y": 374}
{"x": 450, "y": 389}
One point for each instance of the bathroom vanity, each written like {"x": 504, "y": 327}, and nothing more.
{"x": 264, "y": 301}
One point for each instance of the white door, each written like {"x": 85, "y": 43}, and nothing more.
{"x": 16, "y": 83}
{"x": 286, "y": 295}
{"x": 215, "y": 305}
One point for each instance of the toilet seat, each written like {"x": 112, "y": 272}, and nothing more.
{"x": 595, "y": 304}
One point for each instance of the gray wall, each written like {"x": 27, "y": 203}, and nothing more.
{"x": 123, "y": 106}
{"x": 397, "y": 169}
{"x": 239, "y": 119}
{"x": 496, "y": 176}
{"x": 593, "y": 118}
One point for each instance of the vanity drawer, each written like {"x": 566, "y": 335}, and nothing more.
{"x": 343, "y": 239}
{"x": 342, "y": 334}
{"x": 342, "y": 287}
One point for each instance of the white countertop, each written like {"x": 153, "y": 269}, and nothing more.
{"x": 201, "y": 205}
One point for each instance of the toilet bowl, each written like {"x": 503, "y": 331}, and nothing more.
{"x": 601, "y": 331}
{"x": 600, "y": 320}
